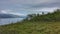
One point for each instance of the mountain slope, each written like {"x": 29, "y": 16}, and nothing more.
{"x": 36, "y": 25}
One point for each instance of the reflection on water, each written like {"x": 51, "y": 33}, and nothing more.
{"x": 9, "y": 20}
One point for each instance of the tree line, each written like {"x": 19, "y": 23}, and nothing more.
{"x": 55, "y": 16}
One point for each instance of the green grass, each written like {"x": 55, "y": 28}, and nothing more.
{"x": 31, "y": 28}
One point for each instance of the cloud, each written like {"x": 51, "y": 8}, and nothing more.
{"x": 28, "y": 1}
{"x": 11, "y": 12}
{"x": 2, "y": 11}
{"x": 5, "y": 11}
{"x": 29, "y": 6}
{"x": 17, "y": 14}
{"x": 47, "y": 9}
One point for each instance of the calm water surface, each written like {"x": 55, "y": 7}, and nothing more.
{"x": 4, "y": 21}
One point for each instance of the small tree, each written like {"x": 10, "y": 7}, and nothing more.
{"x": 42, "y": 13}
{"x": 30, "y": 15}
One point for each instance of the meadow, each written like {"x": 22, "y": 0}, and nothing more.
{"x": 31, "y": 28}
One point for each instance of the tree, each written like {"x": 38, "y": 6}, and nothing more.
{"x": 42, "y": 13}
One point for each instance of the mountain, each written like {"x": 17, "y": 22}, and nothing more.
{"x": 37, "y": 25}
{"x": 10, "y": 16}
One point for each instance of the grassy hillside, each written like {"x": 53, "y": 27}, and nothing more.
{"x": 40, "y": 24}
{"x": 31, "y": 28}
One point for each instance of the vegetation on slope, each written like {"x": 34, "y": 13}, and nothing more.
{"x": 40, "y": 24}
{"x": 31, "y": 28}
{"x": 55, "y": 16}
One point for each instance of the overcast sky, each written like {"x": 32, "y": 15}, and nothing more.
{"x": 24, "y": 7}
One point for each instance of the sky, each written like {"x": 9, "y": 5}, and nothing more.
{"x": 24, "y": 7}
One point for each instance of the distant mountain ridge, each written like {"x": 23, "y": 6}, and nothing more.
{"x": 10, "y": 16}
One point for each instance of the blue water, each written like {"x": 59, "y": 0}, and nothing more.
{"x": 4, "y": 21}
